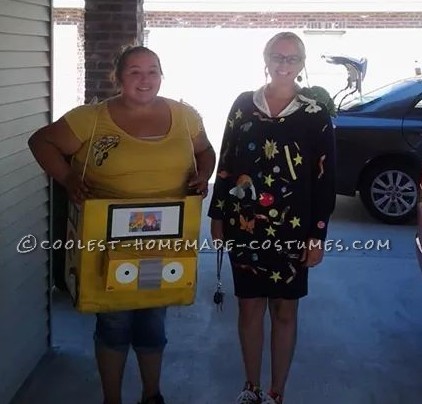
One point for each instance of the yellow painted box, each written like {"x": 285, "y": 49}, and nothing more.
{"x": 132, "y": 254}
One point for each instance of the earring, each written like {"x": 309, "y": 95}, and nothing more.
{"x": 299, "y": 78}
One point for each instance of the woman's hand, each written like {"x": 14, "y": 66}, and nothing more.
{"x": 199, "y": 184}
{"x": 313, "y": 253}
{"x": 217, "y": 230}
{"x": 77, "y": 189}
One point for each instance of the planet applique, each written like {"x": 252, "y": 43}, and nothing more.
{"x": 273, "y": 213}
{"x": 266, "y": 199}
{"x": 251, "y": 146}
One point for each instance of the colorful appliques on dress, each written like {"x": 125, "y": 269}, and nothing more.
{"x": 243, "y": 183}
{"x": 102, "y": 146}
{"x": 266, "y": 199}
{"x": 270, "y": 149}
{"x": 312, "y": 108}
{"x": 321, "y": 166}
{"x": 246, "y": 126}
{"x": 295, "y": 222}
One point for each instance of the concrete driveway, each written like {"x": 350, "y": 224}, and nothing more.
{"x": 360, "y": 332}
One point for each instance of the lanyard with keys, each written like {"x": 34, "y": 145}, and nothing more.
{"x": 219, "y": 294}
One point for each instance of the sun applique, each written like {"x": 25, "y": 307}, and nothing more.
{"x": 270, "y": 149}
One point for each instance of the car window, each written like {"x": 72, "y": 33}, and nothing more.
{"x": 418, "y": 106}
{"x": 372, "y": 96}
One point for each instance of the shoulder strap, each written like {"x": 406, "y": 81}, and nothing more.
{"x": 94, "y": 126}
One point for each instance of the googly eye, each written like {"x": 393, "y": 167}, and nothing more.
{"x": 126, "y": 273}
{"x": 172, "y": 272}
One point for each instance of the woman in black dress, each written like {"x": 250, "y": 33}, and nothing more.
{"x": 273, "y": 197}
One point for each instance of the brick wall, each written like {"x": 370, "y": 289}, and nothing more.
{"x": 75, "y": 16}
{"x": 283, "y": 20}
{"x": 109, "y": 24}
{"x": 112, "y": 23}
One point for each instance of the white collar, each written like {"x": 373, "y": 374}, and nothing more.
{"x": 261, "y": 103}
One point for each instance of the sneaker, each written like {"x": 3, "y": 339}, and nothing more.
{"x": 157, "y": 399}
{"x": 250, "y": 395}
{"x": 272, "y": 398}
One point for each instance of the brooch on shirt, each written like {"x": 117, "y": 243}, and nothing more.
{"x": 102, "y": 146}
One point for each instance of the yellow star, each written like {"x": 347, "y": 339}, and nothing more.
{"x": 270, "y": 149}
{"x": 268, "y": 180}
{"x": 275, "y": 277}
{"x": 298, "y": 159}
{"x": 270, "y": 231}
{"x": 231, "y": 123}
{"x": 238, "y": 114}
{"x": 237, "y": 207}
{"x": 295, "y": 222}
{"x": 220, "y": 204}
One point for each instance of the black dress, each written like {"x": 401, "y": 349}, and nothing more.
{"x": 275, "y": 189}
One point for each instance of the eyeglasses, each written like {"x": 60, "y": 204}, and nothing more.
{"x": 289, "y": 59}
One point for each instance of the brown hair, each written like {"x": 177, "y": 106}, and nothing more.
{"x": 119, "y": 61}
{"x": 290, "y": 36}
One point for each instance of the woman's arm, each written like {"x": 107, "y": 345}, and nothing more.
{"x": 323, "y": 188}
{"x": 51, "y": 145}
{"x": 205, "y": 162}
{"x": 323, "y": 176}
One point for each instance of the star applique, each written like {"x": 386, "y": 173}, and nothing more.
{"x": 236, "y": 207}
{"x": 298, "y": 159}
{"x": 275, "y": 276}
{"x": 268, "y": 180}
{"x": 231, "y": 123}
{"x": 238, "y": 114}
{"x": 270, "y": 231}
{"x": 295, "y": 222}
{"x": 220, "y": 204}
{"x": 270, "y": 149}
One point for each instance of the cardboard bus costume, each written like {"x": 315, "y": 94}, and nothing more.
{"x": 124, "y": 254}
{"x": 132, "y": 254}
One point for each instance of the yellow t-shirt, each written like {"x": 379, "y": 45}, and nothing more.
{"x": 122, "y": 166}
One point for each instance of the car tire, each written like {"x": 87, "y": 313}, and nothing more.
{"x": 389, "y": 191}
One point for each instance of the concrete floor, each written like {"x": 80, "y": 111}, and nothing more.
{"x": 359, "y": 342}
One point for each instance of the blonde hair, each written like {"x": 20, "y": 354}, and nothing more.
{"x": 286, "y": 36}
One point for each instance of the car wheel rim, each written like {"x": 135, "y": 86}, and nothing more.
{"x": 394, "y": 193}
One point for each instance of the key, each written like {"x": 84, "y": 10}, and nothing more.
{"x": 219, "y": 299}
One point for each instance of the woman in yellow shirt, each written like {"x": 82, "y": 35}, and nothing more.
{"x": 133, "y": 145}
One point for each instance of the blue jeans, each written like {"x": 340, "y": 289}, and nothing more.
{"x": 144, "y": 329}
